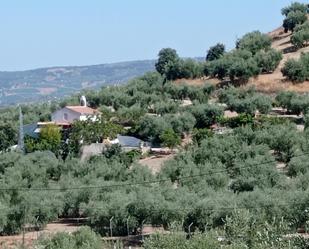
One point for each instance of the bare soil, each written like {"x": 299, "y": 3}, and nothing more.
{"x": 31, "y": 237}
{"x": 155, "y": 163}
{"x": 272, "y": 82}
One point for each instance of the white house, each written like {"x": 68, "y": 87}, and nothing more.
{"x": 69, "y": 114}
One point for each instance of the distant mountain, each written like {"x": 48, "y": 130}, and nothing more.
{"x": 56, "y": 82}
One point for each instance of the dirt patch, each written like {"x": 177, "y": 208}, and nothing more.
{"x": 31, "y": 237}
{"x": 267, "y": 83}
{"x": 46, "y": 90}
{"x": 155, "y": 163}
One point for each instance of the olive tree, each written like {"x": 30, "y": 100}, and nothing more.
{"x": 215, "y": 52}
{"x": 254, "y": 42}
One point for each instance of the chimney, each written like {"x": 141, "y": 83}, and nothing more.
{"x": 83, "y": 101}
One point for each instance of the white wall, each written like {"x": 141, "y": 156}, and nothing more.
{"x": 58, "y": 116}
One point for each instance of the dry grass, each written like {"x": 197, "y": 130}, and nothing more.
{"x": 273, "y": 82}
{"x": 196, "y": 82}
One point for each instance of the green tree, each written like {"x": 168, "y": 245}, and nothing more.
{"x": 295, "y": 6}
{"x": 215, "y": 52}
{"x": 87, "y": 132}
{"x": 83, "y": 238}
{"x": 170, "y": 139}
{"x": 190, "y": 69}
{"x": 284, "y": 99}
{"x": 300, "y": 36}
{"x": 168, "y": 57}
{"x": 206, "y": 115}
{"x": 8, "y": 137}
{"x": 50, "y": 138}
{"x": 200, "y": 134}
{"x": 241, "y": 70}
{"x": 297, "y": 70}
{"x": 293, "y": 19}
{"x": 268, "y": 60}
{"x": 254, "y": 42}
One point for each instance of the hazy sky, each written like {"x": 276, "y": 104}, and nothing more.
{"x": 40, "y": 33}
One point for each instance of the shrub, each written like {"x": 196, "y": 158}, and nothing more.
{"x": 206, "y": 115}
{"x": 168, "y": 57}
{"x": 254, "y": 42}
{"x": 237, "y": 65}
{"x": 293, "y": 19}
{"x": 295, "y": 6}
{"x": 241, "y": 70}
{"x": 298, "y": 165}
{"x": 200, "y": 134}
{"x": 284, "y": 99}
{"x": 268, "y": 60}
{"x": 215, "y": 52}
{"x": 300, "y": 37}
{"x": 241, "y": 120}
{"x": 297, "y": 70}
{"x": 84, "y": 238}
{"x": 190, "y": 69}
{"x": 170, "y": 139}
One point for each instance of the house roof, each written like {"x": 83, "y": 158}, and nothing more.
{"x": 82, "y": 109}
{"x": 31, "y": 130}
{"x": 128, "y": 141}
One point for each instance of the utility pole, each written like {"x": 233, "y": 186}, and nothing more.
{"x": 189, "y": 228}
{"x": 143, "y": 230}
{"x": 24, "y": 224}
{"x": 128, "y": 228}
{"x": 21, "y": 143}
{"x": 111, "y": 226}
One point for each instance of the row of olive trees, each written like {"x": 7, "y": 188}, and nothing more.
{"x": 228, "y": 171}
{"x": 253, "y": 55}
{"x": 296, "y": 20}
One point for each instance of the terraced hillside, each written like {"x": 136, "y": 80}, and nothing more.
{"x": 275, "y": 81}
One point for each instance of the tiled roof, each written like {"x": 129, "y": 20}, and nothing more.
{"x": 82, "y": 109}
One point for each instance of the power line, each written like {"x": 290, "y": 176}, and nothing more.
{"x": 138, "y": 183}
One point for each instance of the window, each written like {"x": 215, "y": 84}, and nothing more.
{"x": 65, "y": 116}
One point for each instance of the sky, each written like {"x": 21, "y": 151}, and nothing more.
{"x": 43, "y": 33}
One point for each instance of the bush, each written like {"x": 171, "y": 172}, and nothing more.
{"x": 206, "y": 115}
{"x": 241, "y": 120}
{"x": 190, "y": 69}
{"x": 170, "y": 139}
{"x": 241, "y": 70}
{"x": 254, "y": 42}
{"x": 8, "y": 137}
{"x": 297, "y": 70}
{"x": 215, "y": 52}
{"x": 284, "y": 99}
{"x": 150, "y": 128}
{"x": 295, "y": 6}
{"x": 293, "y": 19}
{"x": 300, "y": 37}
{"x": 84, "y": 238}
{"x": 298, "y": 165}
{"x": 268, "y": 60}
{"x": 168, "y": 57}
{"x": 200, "y": 134}
{"x": 245, "y": 101}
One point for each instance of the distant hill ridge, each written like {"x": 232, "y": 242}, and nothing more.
{"x": 56, "y": 82}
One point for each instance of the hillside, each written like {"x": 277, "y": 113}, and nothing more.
{"x": 275, "y": 81}
{"x": 55, "y": 82}
{"x": 271, "y": 81}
